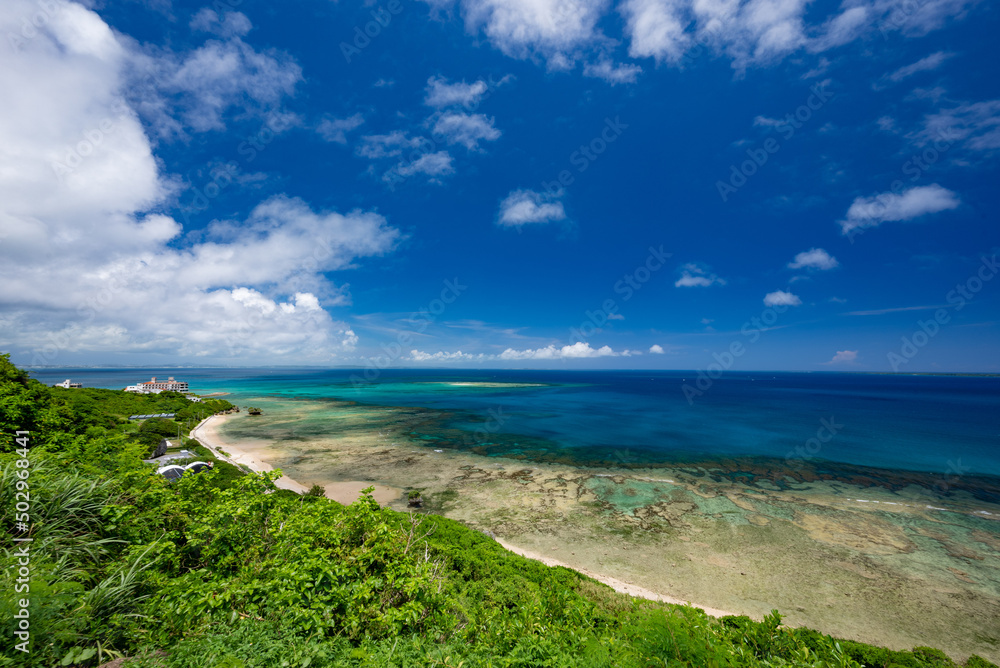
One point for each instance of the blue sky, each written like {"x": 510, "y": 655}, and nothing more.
{"x": 675, "y": 184}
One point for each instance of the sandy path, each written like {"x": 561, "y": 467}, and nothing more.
{"x": 346, "y": 492}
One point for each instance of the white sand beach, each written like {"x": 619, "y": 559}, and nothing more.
{"x": 346, "y": 492}
{"x": 616, "y": 584}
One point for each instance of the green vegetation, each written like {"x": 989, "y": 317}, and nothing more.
{"x": 316, "y": 490}
{"x": 222, "y": 570}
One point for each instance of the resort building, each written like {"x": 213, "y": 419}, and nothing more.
{"x": 68, "y": 383}
{"x": 155, "y": 386}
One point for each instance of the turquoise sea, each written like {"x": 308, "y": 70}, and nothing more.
{"x": 947, "y": 428}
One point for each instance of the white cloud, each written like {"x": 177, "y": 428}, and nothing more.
{"x": 613, "y": 73}
{"x": 432, "y": 164}
{"x": 521, "y": 207}
{"x": 387, "y": 146}
{"x": 230, "y": 24}
{"x": 465, "y": 129}
{"x": 766, "y": 122}
{"x": 814, "y": 258}
{"x": 656, "y": 349}
{"x": 917, "y": 19}
{"x": 886, "y": 124}
{"x": 753, "y": 32}
{"x": 844, "y": 357}
{"x": 580, "y": 350}
{"x": 336, "y": 129}
{"x": 441, "y": 94}
{"x": 864, "y": 16}
{"x": 843, "y": 28}
{"x": 749, "y": 32}
{"x": 577, "y": 350}
{"x": 694, "y": 275}
{"x": 441, "y": 356}
{"x": 88, "y": 266}
{"x": 888, "y": 206}
{"x": 977, "y": 125}
{"x": 781, "y": 298}
{"x": 414, "y": 158}
{"x": 554, "y": 29}
{"x": 931, "y": 62}
{"x": 196, "y": 90}
{"x": 656, "y": 29}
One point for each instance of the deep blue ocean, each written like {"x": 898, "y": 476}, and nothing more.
{"x": 947, "y": 425}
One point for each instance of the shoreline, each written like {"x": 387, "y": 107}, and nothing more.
{"x": 206, "y": 432}
{"x": 346, "y": 492}
{"x": 619, "y": 586}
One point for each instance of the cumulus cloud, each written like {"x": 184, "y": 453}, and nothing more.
{"x": 889, "y": 206}
{"x": 694, "y": 275}
{"x": 656, "y": 28}
{"x": 814, "y": 258}
{"x": 229, "y": 24}
{"x": 387, "y": 146}
{"x": 465, "y": 129}
{"x": 87, "y": 265}
{"x": 579, "y": 350}
{"x": 195, "y": 91}
{"x": 656, "y": 349}
{"x": 431, "y": 164}
{"x": 522, "y": 207}
{"x": 180, "y": 301}
{"x": 442, "y": 356}
{"x": 781, "y": 298}
{"x": 554, "y": 29}
{"x": 611, "y": 72}
{"x": 748, "y": 32}
{"x": 756, "y": 32}
{"x": 844, "y": 357}
{"x": 410, "y": 153}
{"x": 441, "y": 94}
{"x": 335, "y": 129}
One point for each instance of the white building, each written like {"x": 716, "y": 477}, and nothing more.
{"x": 68, "y": 384}
{"x": 141, "y": 389}
{"x": 155, "y": 387}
